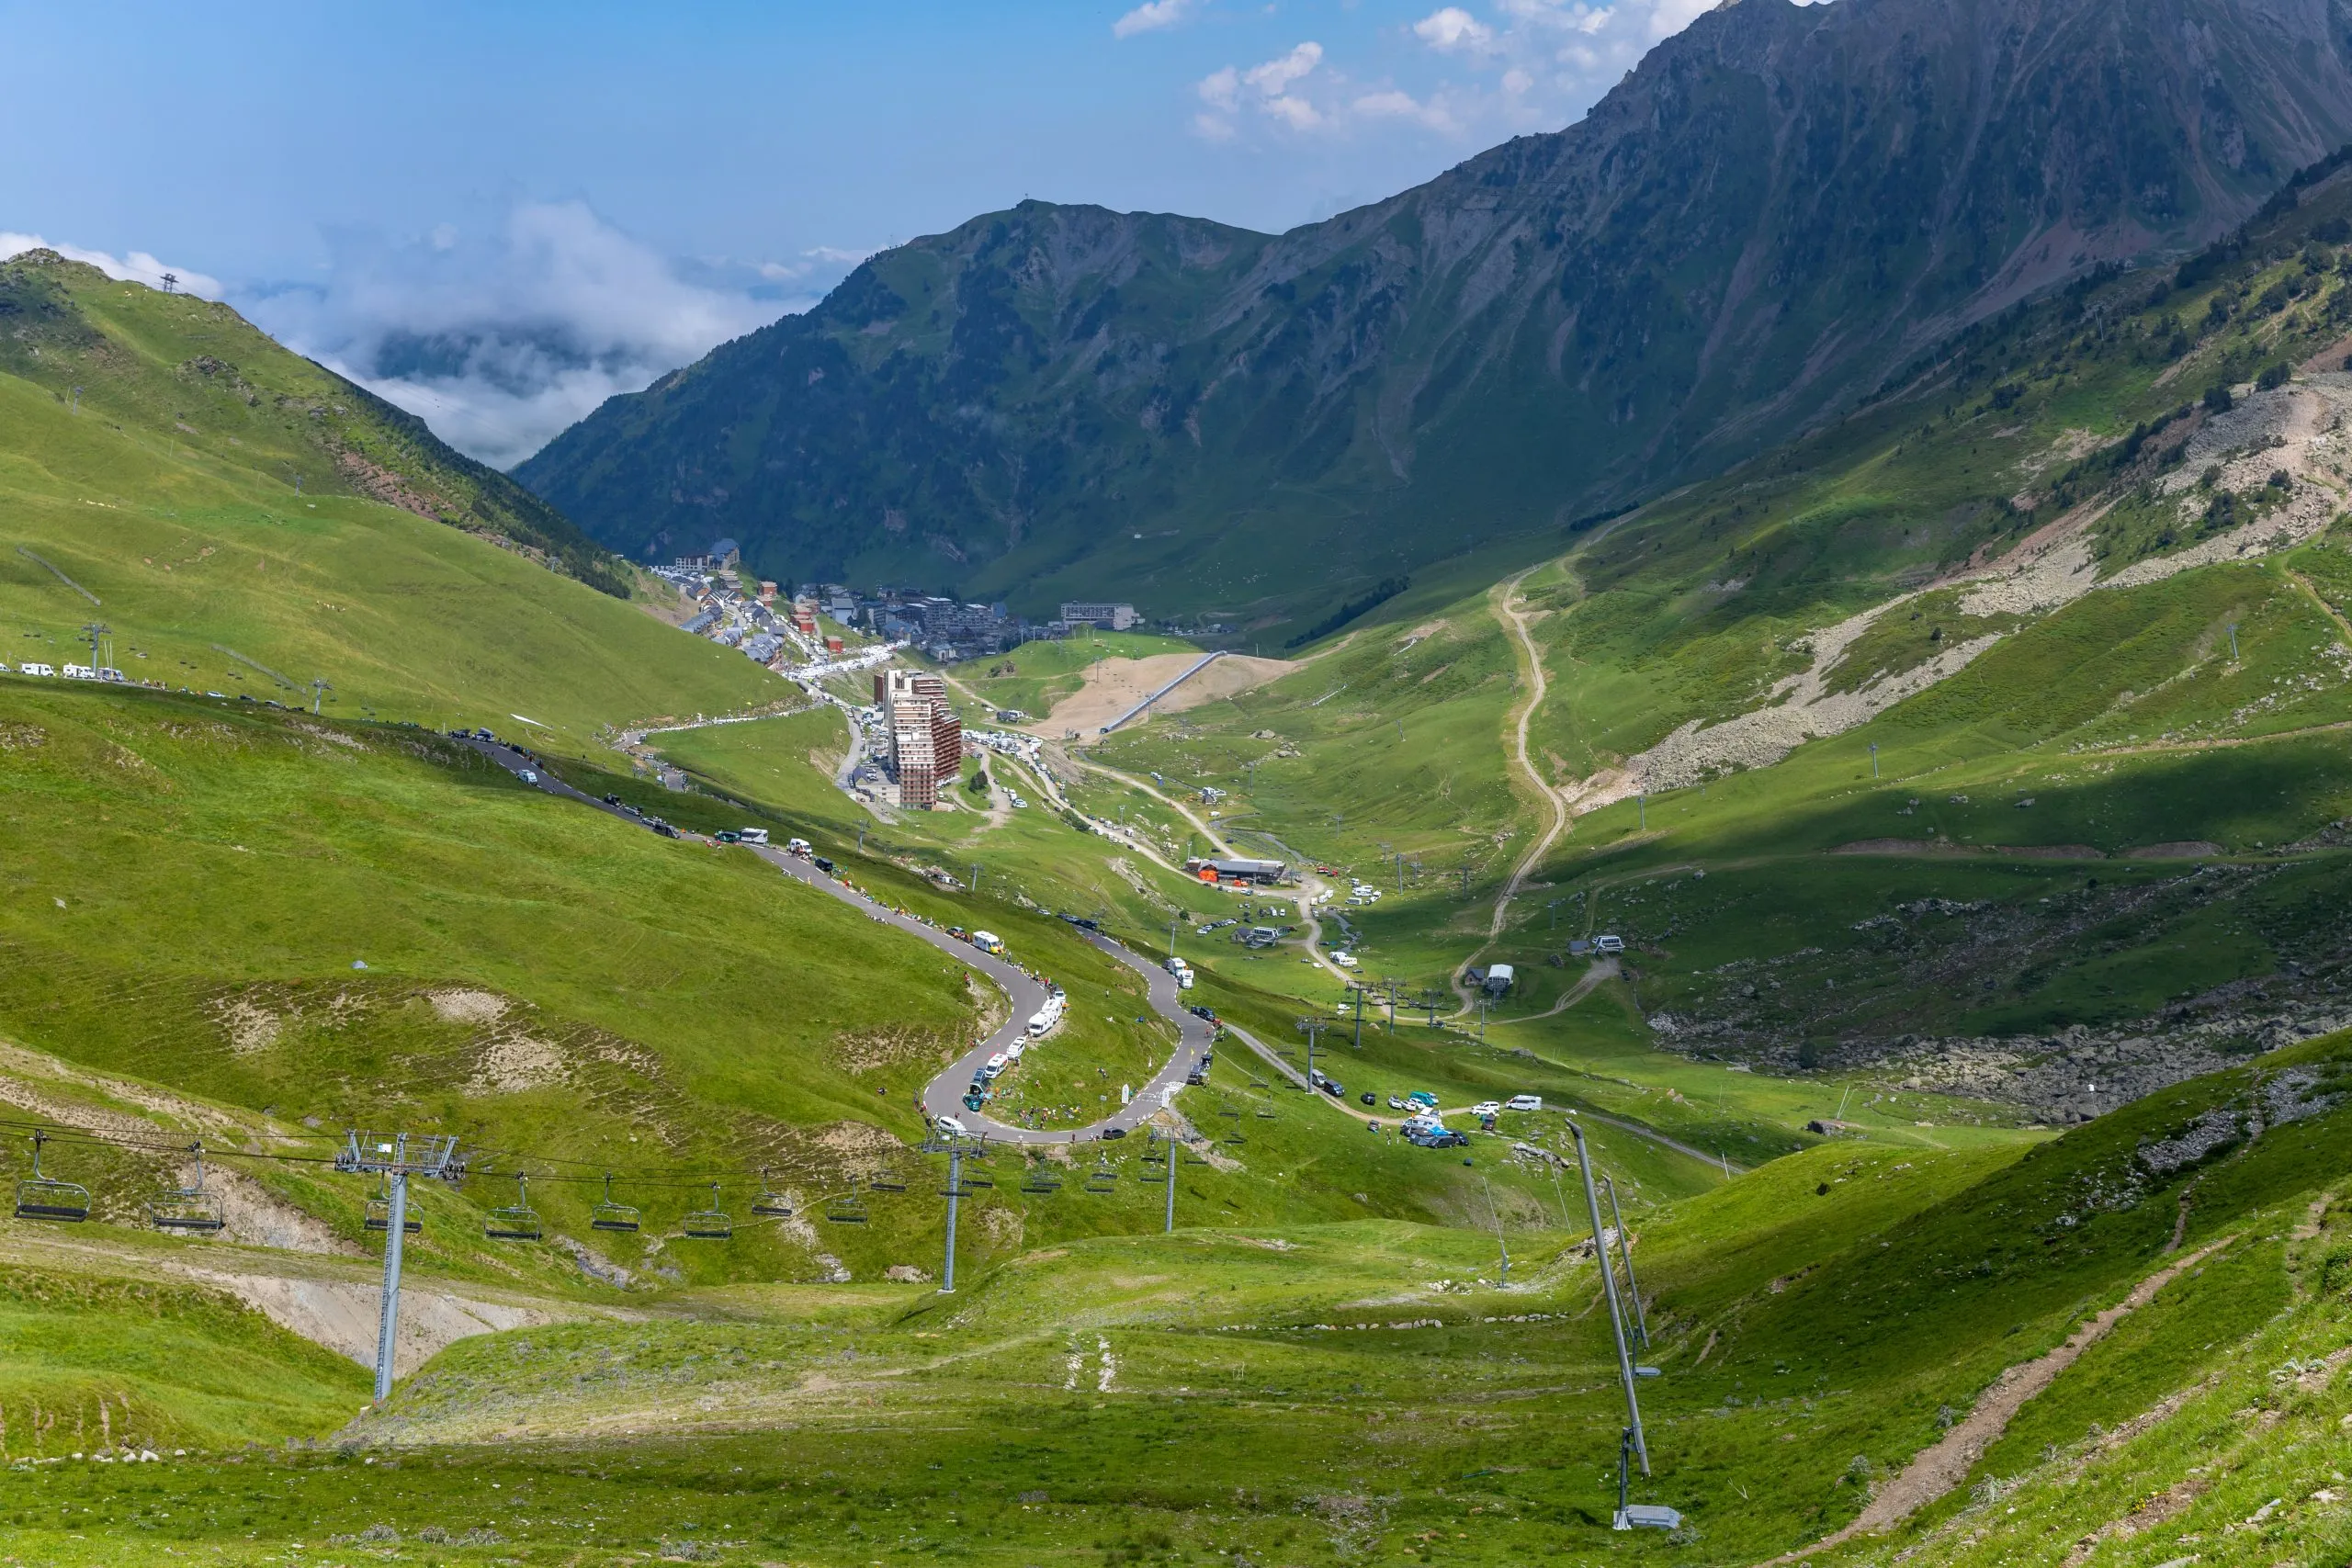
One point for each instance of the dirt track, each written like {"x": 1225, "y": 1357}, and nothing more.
{"x": 1944, "y": 1464}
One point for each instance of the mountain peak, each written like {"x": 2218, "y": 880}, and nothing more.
{"x": 1776, "y": 209}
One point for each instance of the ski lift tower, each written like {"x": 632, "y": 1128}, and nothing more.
{"x": 957, "y": 1148}
{"x": 1631, "y": 1447}
{"x": 394, "y": 1157}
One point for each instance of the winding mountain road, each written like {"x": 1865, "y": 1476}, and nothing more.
{"x": 943, "y": 1095}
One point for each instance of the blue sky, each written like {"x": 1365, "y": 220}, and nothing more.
{"x": 499, "y": 213}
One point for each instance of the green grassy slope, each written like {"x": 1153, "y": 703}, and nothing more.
{"x": 151, "y": 445}
{"x": 1334, "y": 1392}
{"x": 573, "y": 993}
{"x": 2004, "y": 807}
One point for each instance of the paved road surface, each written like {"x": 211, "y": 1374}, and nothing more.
{"x": 944, "y": 1095}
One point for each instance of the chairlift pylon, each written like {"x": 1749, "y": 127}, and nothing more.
{"x": 188, "y": 1210}
{"x": 42, "y": 1197}
{"x": 712, "y": 1224}
{"x": 771, "y": 1202}
{"x": 611, "y": 1216}
{"x": 518, "y": 1221}
{"x": 380, "y": 1213}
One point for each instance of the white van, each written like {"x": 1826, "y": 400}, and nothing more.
{"x": 949, "y": 1127}
{"x": 753, "y": 835}
{"x": 1038, "y": 1024}
{"x": 997, "y": 1064}
{"x": 987, "y": 941}
{"x": 80, "y": 672}
{"x": 1524, "y": 1102}
{"x": 36, "y": 670}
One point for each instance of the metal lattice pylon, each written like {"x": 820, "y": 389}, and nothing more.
{"x": 396, "y": 1157}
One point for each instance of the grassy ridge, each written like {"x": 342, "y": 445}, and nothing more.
{"x": 150, "y": 447}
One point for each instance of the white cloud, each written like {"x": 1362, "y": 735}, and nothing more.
{"x": 1479, "y": 69}
{"x": 1296, "y": 113}
{"x": 1266, "y": 87}
{"x": 1395, "y": 105}
{"x": 500, "y": 340}
{"x": 1151, "y": 17}
{"x": 1454, "y": 29}
{"x": 819, "y": 259}
{"x": 136, "y": 267}
{"x": 1275, "y": 76}
{"x": 1669, "y": 17}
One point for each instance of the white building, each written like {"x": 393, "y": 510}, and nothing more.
{"x": 1114, "y": 617}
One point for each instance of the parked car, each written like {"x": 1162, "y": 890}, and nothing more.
{"x": 727, "y": 836}
{"x": 1112, "y": 1135}
{"x": 1369, "y": 1098}
{"x": 1395, "y": 1103}
{"x": 526, "y": 775}
{"x": 821, "y": 864}
{"x": 1487, "y": 1107}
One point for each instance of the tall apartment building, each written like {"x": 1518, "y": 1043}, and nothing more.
{"x": 926, "y": 738}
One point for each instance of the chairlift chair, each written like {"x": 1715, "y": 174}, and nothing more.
{"x": 1233, "y": 1137}
{"x": 1038, "y": 1179}
{"x": 611, "y": 1216}
{"x": 1189, "y": 1157}
{"x": 188, "y": 1210}
{"x": 1266, "y": 1114}
{"x": 885, "y": 1181}
{"x": 516, "y": 1222}
{"x": 41, "y": 1197}
{"x": 1101, "y": 1178}
{"x": 845, "y": 1210}
{"x": 712, "y": 1224}
{"x": 379, "y": 1212}
{"x": 771, "y": 1202}
{"x": 982, "y": 1182}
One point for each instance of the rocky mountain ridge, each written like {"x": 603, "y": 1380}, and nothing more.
{"x": 1772, "y": 215}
